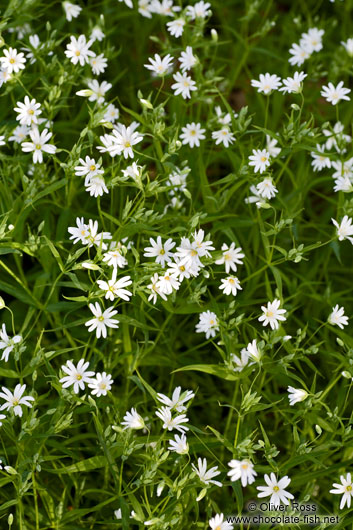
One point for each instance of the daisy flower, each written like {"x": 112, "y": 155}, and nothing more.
{"x": 78, "y": 50}
{"x": 230, "y": 285}
{"x": 160, "y": 66}
{"x": 154, "y": 289}
{"x": 334, "y": 94}
{"x": 160, "y": 251}
{"x": 299, "y": 54}
{"x": 348, "y": 46}
{"x": 183, "y": 85}
{"x": 336, "y": 318}
{"x": 271, "y": 146}
{"x": 89, "y": 168}
{"x": 102, "y": 320}
{"x": 116, "y": 288}
{"x": 123, "y": 140}
{"x": 276, "y": 489}
{"x": 272, "y": 314}
{"x": 13, "y": 61}
{"x": 267, "y": 83}
{"x": 98, "y": 64}
{"x": 101, "y": 384}
{"x": 320, "y": 160}
{"x": 231, "y": 257}
{"x": 76, "y": 375}
{"x": 39, "y": 145}
{"x": 27, "y": 111}
{"x": 98, "y": 90}
{"x": 223, "y": 136}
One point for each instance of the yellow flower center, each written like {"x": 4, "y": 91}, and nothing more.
{"x": 231, "y": 280}
{"x": 12, "y": 61}
{"x": 92, "y": 168}
{"x": 269, "y": 314}
{"x": 162, "y": 251}
{"x": 275, "y": 488}
{"x": 263, "y": 159}
{"x": 101, "y": 318}
{"x": 31, "y": 111}
{"x": 78, "y": 377}
{"x": 348, "y": 488}
{"x": 182, "y": 268}
{"x": 77, "y": 52}
{"x": 193, "y": 253}
{"x": 15, "y": 402}
{"x": 193, "y": 132}
{"x": 127, "y": 144}
{"x": 211, "y": 322}
{"x": 38, "y": 146}
{"x": 244, "y": 466}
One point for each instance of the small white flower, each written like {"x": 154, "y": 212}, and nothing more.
{"x": 38, "y": 145}
{"x": 27, "y": 111}
{"x": 192, "y": 133}
{"x": 116, "y": 288}
{"x": 160, "y": 251}
{"x": 114, "y": 257}
{"x": 199, "y": 10}
{"x": 179, "y": 444}
{"x": 19, "y": 134}
{"x": 336, "y": 318}
{"x": 271, "y": 146}
{"x": 230, "y": 285}
{"x": 170, "y": 423}
{"x": 15, "y": 400}
{"x": 348, "y": 46}
{"x": 345, "y": 489}
{"x": 2, "y": 417}
{"x": 71, "y": 10}
{"x": 272, "y": 314}
{"x": 243, "y": 470}
{"x": 293, "y": 84}
{"x": 295, "y": 395}
{"x": 208, "y": 324}
{"x": 111, "y": 114}
{"x": 260, "y": 159}
{"x": 101, "y": 384}
{"x": 335, "y": 94}
{"x": 154, "y": 289}
{"x": 102, "y": 320}
{"x": 187, "y": 59}
{"x": 89, "y": 168}
{"x": 266, "y": 188}
{"x": 12, "y": 61}
{"x": 98, "y": 90}
{"x": 7, "y": 344}
{"x": 253, "y": 351}
{"x": 160, "y": 66}
{"x": 167, "y": 283}
{"x": 183, "y": 85}
{"x": 267, "y": 83}
{"x": 98, "y": 64}
{"x": 223, "y": 136}
{"x": 312, "y": 40}
{"x": 242, "y": 361}
{"x": 206, "y": 476}
{"x": 218, "y": 523}
{"x": 299, "y": 54}
{"x": 176, "y": 27}
{"x": 177, "y": 401}
{"x": 96, "y": 186}
{"x": 76, "y": 375}
{"x": 133, "y": 420}
{"x": 121, "y": 141}
{"x": 78, "y": 50}
{"x": 231, "y": 256}
{"x": 97, "y": 34}
{"x": 344, "y": 229}
{"x": 320, "y": 160}
{"x": 276, "y": 489}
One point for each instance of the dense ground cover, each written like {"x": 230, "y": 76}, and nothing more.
{"x": 176, "y": 262}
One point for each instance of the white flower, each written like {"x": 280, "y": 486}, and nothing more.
{"x": 122, "y": 140}
{"x": 15, "y": 400}
{"x": 334, "y": 94}
{"x": 170, "y": 423}
{"x": 343, "y": 169}
{"x": 179, "y": 444}
{"x": 242, "y": 361}
{"x": 98, "y": 90}
{"x": 336, "y": 318}
{"x": 97, "y": 34}
{"x": 218, "y": 523}
{"x": 293, "y": 84}
{"x": 266, "y": 188}
{"x": 102, "y": 320}
{"x": 230, "y": 285}
{"x": 260, "y": 159}
{"x": 187, "y": 59}
{"x": 336, "y": 137}
{"x": 299, "y": 54}
{"x": 312, "y": 40}
{"x": 192, "y": 134}
{"x": 111, "y": 114}
{"x": 271, "y": 146}
{"x": 7, "y": 344}
{"x": 96, "y": 186}
{"x": 208, "y": 324}
{"x": 133, "y": 420}
{"x": 243, "y": 470}
{"x": 118, "y": 513}
{"x": 343, "y": 184}
{"x": 223, "y": 136}
{"x": 19, "y": 134}
{"x": 181, "y": 270}
{"x": 183, "y": 84}
{"x": 13, "y": 61}
{"x": 267, "y": 83}
{"x": 154, "y": 289}
{"x": 27, "y": 111}
{"x": 176, "y": 27}
{"x": 89, "y": 168}
{"x": 231, "y": 256}
{"x": 114, "y": 256}
{"x": 2, "y": 417}
{"x": 101, "y": 384}
{"x": 276, "y": 488}
{"x": 345, "y": 488}
{"x": 167, "y": 283}
{"x": 38, "y": 144}
{"x": 177, "y": 401}
{"x": 160, "y": 66}
{"x": 159, "y": 250}
{"x": 199, "y": 10}
{"x": 144, "y": 8}
{"x": 206, "y": 476}
{"x": 116, "y": 288}
{"x": 4, "y": 76}
{"x": 79, "y": 232}
{"x": 295, "y": 395}
{"x": 71, "y": 10}
{"x": 253, "y": 351}
{"x": 344, "y": 229}
{"x": 128, "y": 3}
{"x": 98, "y": 64}
{"x": 272, "y": 314}
{"x": 348, "y": 46}
{"x": 78, "y": 50}
{"x": 320, "y": 160}
{"x": 76, "y": 375}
